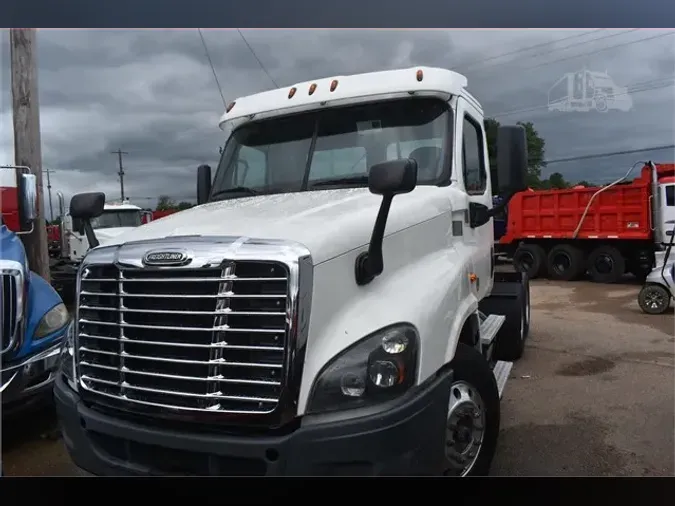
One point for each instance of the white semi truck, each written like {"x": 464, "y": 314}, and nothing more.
{"x": 116, "y": 219}
{"x": 330, "y": 307}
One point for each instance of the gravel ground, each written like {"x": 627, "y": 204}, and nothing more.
{"x": 592, "y": 396}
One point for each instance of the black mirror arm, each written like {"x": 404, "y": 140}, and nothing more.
{"x": 89, "y": 232}
{"x": 370, "y": 264}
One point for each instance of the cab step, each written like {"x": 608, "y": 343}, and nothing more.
{"x": 489, "y": 326}
{"x": 501, "y": 371}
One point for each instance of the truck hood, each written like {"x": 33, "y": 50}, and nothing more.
{"x": 327, "y": 222}
{"x": 106, "y": 235}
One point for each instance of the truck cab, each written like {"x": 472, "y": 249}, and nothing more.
{"x": 117, "y": 218}
{"x": 33, "y": 318}
{"x": 330, "y": 307}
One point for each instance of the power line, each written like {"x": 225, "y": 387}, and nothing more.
{"x": 628, "y": 43}
{"x": 257, "y": 59}
{"x": 525, "y": 49}
{"x": 208, "y": 57}
{"x": 608, "y": 154}
{"x": 557, "y": 49}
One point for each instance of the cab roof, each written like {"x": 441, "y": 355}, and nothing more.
{"x": 112, "y": 206}
{"x": 340, "y": 90}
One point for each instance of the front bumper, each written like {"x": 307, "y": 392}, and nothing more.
{"x": 29, "y": 380}
{"x": 406, "y": 439}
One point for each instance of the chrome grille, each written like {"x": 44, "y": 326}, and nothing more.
{"x": 11, "y": 304}
{"x": 196, "y": 339}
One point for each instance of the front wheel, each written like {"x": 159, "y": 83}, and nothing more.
{"x": 654, "y": 299}
{"x": 473, "y": 416}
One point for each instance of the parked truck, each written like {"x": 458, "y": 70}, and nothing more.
{"x": 33, "y": 318}
{"x": 605, "y": 231}
{"x": 332, "y": 310}
{"x": 116, "y": 218}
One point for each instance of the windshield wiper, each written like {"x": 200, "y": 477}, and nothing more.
{"x": 237, "y": 189}
{"x": 342, "y": 180}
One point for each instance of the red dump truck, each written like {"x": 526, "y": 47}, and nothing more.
{"x": 160, "y": 214}
{"x": 605, "y": 231}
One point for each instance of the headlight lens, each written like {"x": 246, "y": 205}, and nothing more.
{"x": 54, "y": 320}
{"x": 378, "y": 368}
{"x": 67, "y": 357}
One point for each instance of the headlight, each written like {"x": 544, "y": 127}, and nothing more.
{"x": 54, "y": 320}
{"x": 378, "y": 368}
{"x": 67, "y": 357}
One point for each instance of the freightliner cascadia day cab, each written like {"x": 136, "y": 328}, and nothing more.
{"x": 330, "y": 307}
{"x": 33, "y": 318}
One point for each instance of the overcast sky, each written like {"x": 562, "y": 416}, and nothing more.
{"x": 152, "y": 94}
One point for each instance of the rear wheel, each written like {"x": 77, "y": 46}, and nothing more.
{"x": 473, "y": 415}
{"x": 565, "y": 262}
{"x": 606, "y": 264}
{"x": 654, "y": 299}
{"x": 530, "y": 259}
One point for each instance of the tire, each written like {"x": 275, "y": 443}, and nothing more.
{"x": 654, "y": 299}
{"x": 474, "y": 388}
{"x": 510, "y": 340}
{"x": 526, "y": 307}
{"x": 530, "y": 259}
{"x": 606, "y": 264}
{"x": 565, "y": 262}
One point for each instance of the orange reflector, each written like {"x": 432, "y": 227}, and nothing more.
{"x": 333, "y": 85}
{"x": 312, "y": 88}
{"x": 420, "y": 75}
{"x": 473, "y": 277}
{"x": 229, "y": 106}
{"x": 291, "y": 93}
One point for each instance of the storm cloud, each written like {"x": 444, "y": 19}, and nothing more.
{"x": 152, "y": 94}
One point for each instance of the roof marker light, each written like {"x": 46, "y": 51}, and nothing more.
{"x": 420, "y": 75}
{"x": 291, "y": 92}
{"x": 333, "y": 85}
{"x": 312, "y": 88}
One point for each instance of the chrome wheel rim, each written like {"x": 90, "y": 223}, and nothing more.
{"x": 654, "y": 300}
{"x": 465, "y": 428}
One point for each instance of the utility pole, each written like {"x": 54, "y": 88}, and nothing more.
{"x": 119, "y": 154}
{"x": 49, "y": 192}
{"x": 27, "y": 149}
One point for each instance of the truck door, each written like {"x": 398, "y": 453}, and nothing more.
{"x": 668, "y": 214}
{"x": 472, "y": 156}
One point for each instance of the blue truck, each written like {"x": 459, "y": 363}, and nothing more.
{"x": 33, "y": 318}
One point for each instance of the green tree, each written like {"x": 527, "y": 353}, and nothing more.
{"x": 164, "y": 203}
{"x": 557, "y": 181}
{"x": 184, "y": 205}
{"x": 536, "y": 149}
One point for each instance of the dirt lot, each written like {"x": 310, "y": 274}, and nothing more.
{"x": 593, "y": 395}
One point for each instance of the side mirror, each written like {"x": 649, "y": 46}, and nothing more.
{"x": 393, "y": 177}
{"x": 28, "y": 211}
{"x": 511, "y": 160}
{"x": 203, "y": 184}
{"x": 85, "y": 206}
{"x": 387, "y": 179}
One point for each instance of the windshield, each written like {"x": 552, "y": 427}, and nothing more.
{"x": 334, "y": 148}
{"x": 116, "y": 219}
